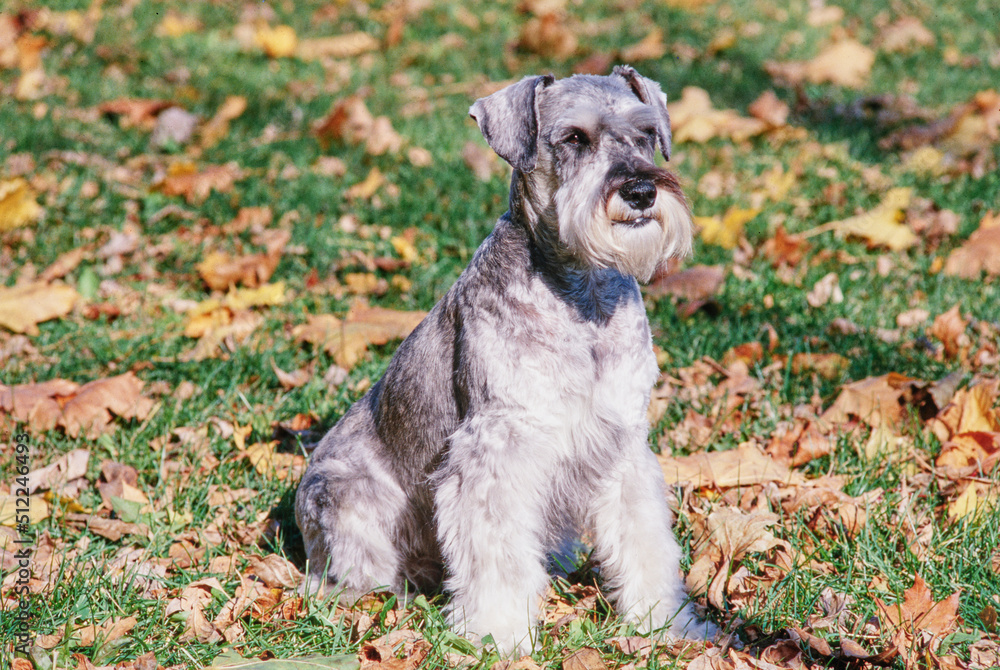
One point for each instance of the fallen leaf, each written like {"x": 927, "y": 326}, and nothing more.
{"x": 348, "y": 340}
{"x": 828, "y": 366}
{"x": 277, "y": 42}
{"x": 58, "y": 473}
{"x": 918, "y": 613}
{"x": 904, "y": 34}
{"x": 134, "y": 112}
{"x": 949, "y": 327}
{"x": 221, "y": 271}
{"x": 273, "y": 464}
{"x": 176, "y": 25}
{"x": 586, "y": 658}
{"x": 111, "y": 630}
{"x": 90, "y": 409}
{"x": 881, "y": 226}
{"x": 216, "y": 128}
{"x": 111, "y": 529}
{"x": 548, "y": 35}
{"x": 17, "y": 204}
{"x": 275, "y": 571}
{"x": 693, "y": 119}
{"x": 699, "y": 282}
{"x": 194, "y": 185}
{"x": 650, "y": 47}
{"x": 725, "y": 231}
{"x": 845, "y": 63}
{"x": 294, "y": 379}
{"x": 825, "y": 290}
{"x": 348, "y": 45}
{"x": 65, "y": 263}
{"x": 874, "y": 400}
{"x": 12, "y": 507}
{"x": 980, "y": 253}
{"x": 743, "y": 466}
{"x": 769, "y": 109}
{"x": 22, "y": 308}
{"x": 365, "y": 189}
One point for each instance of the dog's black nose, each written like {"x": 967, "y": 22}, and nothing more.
{"x": 638, "y": 193}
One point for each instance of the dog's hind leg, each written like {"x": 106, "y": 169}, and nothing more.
{"x": 349, "y": 508}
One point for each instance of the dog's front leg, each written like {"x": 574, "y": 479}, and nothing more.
{"x": 636, "y": 548}
{"x": 490, "y": 505}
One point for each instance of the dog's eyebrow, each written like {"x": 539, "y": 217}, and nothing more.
{"x": 641, "y": 117}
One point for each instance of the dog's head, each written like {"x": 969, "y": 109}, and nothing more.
{"x": 583, "y": 152}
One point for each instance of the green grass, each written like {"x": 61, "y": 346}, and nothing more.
{"x": 453, "y": 211}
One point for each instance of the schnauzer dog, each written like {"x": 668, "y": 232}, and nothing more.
{"x": 515, "y": 414}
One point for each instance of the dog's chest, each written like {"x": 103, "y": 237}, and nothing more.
{"x": 580, "y": 370}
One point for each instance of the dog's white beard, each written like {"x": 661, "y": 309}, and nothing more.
{"x": 638, "y": 250}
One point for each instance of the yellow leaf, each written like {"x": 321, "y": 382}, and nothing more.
{"x": 277, "y": 42}
{"x": 965, "y": 504}
{"x": 177, "y": 25}
{"x": 367, "y": 188}
{"x": 404, "y": 248}
{"x": 22, "y": 308}
{"x": 725, "y": 230}
{"x": 273, "y": 464}
{"x": 17, "y": 204}
{"x": 338, "y": 46}
{"x": 882, "y": 225}
{"x": 38, "y": 510}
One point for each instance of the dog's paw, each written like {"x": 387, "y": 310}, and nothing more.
{"x": 689, "y": 626}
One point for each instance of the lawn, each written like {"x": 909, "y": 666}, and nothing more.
{"x": 217, "y": 220}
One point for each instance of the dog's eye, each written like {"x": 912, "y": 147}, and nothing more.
{"x": 576, "y": 138}
{"x": 648, "y": 137}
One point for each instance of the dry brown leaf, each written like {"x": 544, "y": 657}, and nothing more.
{"x": 873, "y": 400}
{"x": 87, "y": 635}
{"x": 17, "y": 204}
{"x": 76, "y": 408}
{"x": 135, "y": 112}
{"x": 350, "y": 121}
{"x": 365, "y": 189}
{"x": 348, "y": 45}
{"x": 980, "y": 253}
{"x": 63, "y": 265}
{"x": 785, "y": 249}
{"x": 743, "y": 466}
{"x": 949, "y": 328}
{"x": 904, "y": 34}
{"x": 348, "y": 340}
{"x": 293, "y": 379}
{"x": 693, "y": 119}
{"x": 112, "y": 529}
{"x": 216, "y": 128}
{"x": 548, "y": 35}
{"x": 220, "y": 271}
{"x": 918, "y": 613}
{"x": 90, "y": 409}
{"x": 227, "y": 332}
{"x": 186, "y": 180}
{"x": 769, "y": 109}
{"x": 825, "y": 290}
{"x": 275, "y": 571}
{"x": 586, "y": 658}
{"x": 55, "y": 475}
{"x": 22, "y": 308}
{"x": 650, "y": 47}
{"x": 845, "y": 63}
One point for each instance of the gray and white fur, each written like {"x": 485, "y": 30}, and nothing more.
{"x": 514, "y": 416}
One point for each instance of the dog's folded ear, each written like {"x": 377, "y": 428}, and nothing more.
{"x": 649, "y": 92}
{"x": 508, "y": 120}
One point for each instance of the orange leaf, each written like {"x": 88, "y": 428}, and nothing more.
{"x": 22, "y": 308}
